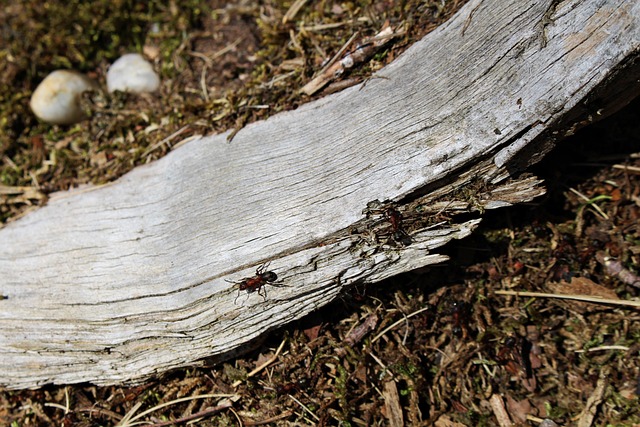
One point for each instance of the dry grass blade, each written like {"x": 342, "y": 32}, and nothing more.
{"x": 303, "y": 406}
{"x": 293, "y": 10}
{"x": 165, "y": 140}
{"x": 626, "y": 168}
{"x": 6, "y": 189}
{"x": 210, "y": 411}
{"x": 268, "y": 421}
{"x": 208, "y": 59}
{"x": 605, "y": 348}
{"x": 393, "y": 325}
{"x": 264, "y": 365}
{"x": 129, "y": 419}
{"x": 584, "y": 298}
{"x": 66, "y": 407}
{"x": 590, "y": 202}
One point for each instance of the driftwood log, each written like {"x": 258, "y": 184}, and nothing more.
{"x": 117, "y": 283}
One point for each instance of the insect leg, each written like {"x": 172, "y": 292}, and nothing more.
{"x": 263, "y": 288}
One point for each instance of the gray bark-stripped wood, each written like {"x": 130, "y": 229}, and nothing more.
{"x": 118, "y": 283}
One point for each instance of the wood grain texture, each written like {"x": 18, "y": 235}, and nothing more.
{"x": 118, "y": 283}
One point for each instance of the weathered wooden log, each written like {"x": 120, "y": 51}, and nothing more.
{"x": 117, "y": 283}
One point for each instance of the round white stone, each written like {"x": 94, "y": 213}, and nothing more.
{"x": 132, "y": 73}
{"x": 56, "y": 100}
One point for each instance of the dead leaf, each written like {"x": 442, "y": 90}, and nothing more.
{"x": 519, "y": 409}
{"x": 312, "y": 332}
{"x": 445, "y": 421}
{"x": 584, "y": 287}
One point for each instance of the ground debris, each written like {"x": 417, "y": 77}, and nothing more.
{"x": 392, "y": 404}
{"x": 595, "y": 400}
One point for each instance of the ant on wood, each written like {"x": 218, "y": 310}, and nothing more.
{"x": 395, "y": 230}
{"x": 257, "y": 282}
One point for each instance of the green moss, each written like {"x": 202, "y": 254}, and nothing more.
{"x": 341, "y": 390}
{"x": 407, "y": 370}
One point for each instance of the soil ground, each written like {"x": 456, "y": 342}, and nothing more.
{"x": 440, "y": 346}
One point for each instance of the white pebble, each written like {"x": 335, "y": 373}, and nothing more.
{"x": 56, "y": 100}
{"x": 132, "y": 73}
